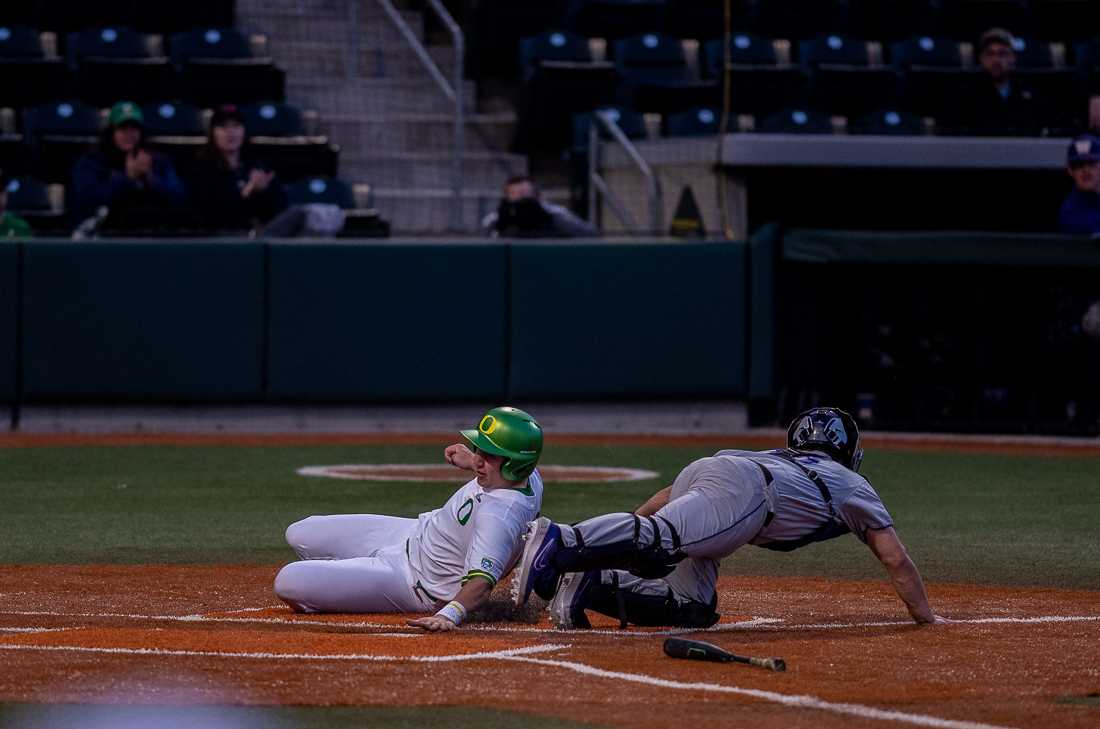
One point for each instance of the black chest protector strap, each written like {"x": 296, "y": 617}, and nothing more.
{"x": 811, "y": 474}
{"x": 832, "y": 527}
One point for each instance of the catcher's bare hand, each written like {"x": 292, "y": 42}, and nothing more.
{"x": 459, "y": 456}
{"x": 433, "y": 623}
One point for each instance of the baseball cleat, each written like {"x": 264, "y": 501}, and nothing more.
{"x": 535, "y": 566}
{"x": 567, "y": 607}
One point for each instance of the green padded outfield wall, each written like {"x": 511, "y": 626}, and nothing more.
{"x": 387, "y": 321}
{"x": 9, "y": 277}
{"x": 595, "y": 319}
{"x": 166, "y": 321}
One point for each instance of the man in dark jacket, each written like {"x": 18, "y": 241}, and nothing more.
{"x": 999, "y": 105}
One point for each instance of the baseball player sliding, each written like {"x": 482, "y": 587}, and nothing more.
{"x": 448, "y": 559}
{"x": 659, "y": 565}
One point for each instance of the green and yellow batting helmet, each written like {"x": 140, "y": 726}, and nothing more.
{"x": 511, "y": 433}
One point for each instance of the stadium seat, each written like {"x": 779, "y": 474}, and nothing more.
{"x": 552, "y": 46}
{"x": 30, "y": 71}
{"x": 62, "y": 132}
{"x": 273, "y": 120}
{"x": 279, "y": 135}
{"x": 43, "y": 206}
{"x": 846, "y": 75}
{"x": 631, "y": 122}
{"x": 656, "y": 75}
{"x": 208, "y": 43}
{"x": 15, "y": 153}
{"x": 119, "y": 63}
{"x": 933, "y": 76}
{"x": 561, "y": 78}
{"x": 170, "y": 118}
{"x": 616, "y": 18}
{"x": 322, "y": 190}
{"x": 173, "y": 127}
{"x": 796, "y": 121}
{"x": 890, "y": 122}
{"x": 746, "y": 49}
{"x": 692, "y": 123}
{"x": 762, "y": 79}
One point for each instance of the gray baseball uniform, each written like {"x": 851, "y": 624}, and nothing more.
{"x": 779, "y": 500}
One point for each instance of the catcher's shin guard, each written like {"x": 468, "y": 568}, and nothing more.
{"x": 635, "y": 608}
{"x": 645, "y": 546}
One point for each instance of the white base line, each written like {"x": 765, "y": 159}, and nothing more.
{"x": 509, "y": 653}
{"x": 33, "y": 630}
{"x": 804, "y": 702}
{"x": 772, "y": 624}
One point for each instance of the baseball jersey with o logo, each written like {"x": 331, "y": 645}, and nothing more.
{"x": 477, "y": 533}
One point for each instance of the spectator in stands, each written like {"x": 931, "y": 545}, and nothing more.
{"x": 523, "y": 213}
{"x": 124, "y": 175}
{"x": 233, "y": 191}
{"x": 1080, "y": 213}
{"x": 11, "y": 225}
{"x": 1000, "y": 106}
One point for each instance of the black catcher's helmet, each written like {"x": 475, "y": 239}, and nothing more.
{"x": 830, "y": 430}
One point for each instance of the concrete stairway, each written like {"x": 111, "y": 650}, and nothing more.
{"x": 376, "y": 100}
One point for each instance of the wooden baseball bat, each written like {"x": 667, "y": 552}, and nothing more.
{"x": 699, "y": 651}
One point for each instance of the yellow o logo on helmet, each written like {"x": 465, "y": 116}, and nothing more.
{"x": 488, "y": 425}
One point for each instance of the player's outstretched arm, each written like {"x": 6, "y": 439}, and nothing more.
{"x": 903, "y": 573}
{"x": 656, "y": 501}
{"x": 450, "y": 616}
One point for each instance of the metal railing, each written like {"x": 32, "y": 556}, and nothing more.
{"x": 597, "y": 185}
{"x": 451, "y": 89}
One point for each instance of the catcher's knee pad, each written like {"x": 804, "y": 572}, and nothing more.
{"x": 620, "y": 541}
{"x": 635, "y": 608}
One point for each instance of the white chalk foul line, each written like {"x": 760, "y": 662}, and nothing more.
{"x": 367, "y": 657}
{"x": 773, "y": 624}
{"x": 33, "y": 630}
{"x": 802, "y": 702}
{"x": 776, "y": 625}
{"x": 754, "y": 622}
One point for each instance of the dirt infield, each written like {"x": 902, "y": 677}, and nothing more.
{"x": 213, "y": 634}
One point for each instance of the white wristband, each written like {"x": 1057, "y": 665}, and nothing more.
{"x": 453, "y": 611}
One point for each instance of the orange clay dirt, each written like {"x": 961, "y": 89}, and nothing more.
{"x": 175, "y": 635}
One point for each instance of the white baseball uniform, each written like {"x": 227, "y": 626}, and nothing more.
{"x": 367, "y": 563}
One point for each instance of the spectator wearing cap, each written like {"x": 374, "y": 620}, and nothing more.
{"x": 999, "y": 105}
{"x": 123, "y": 174}
{"x": 11, "y": 225}
{"x": 1080, "y": 213}
{"x": 232, "y": 190}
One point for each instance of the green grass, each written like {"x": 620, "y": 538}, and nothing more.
{"x": 970, "y": 518}
{"x": 39, "y": 716}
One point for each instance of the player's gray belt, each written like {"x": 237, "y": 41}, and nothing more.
{"x": 419, "y": 588}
